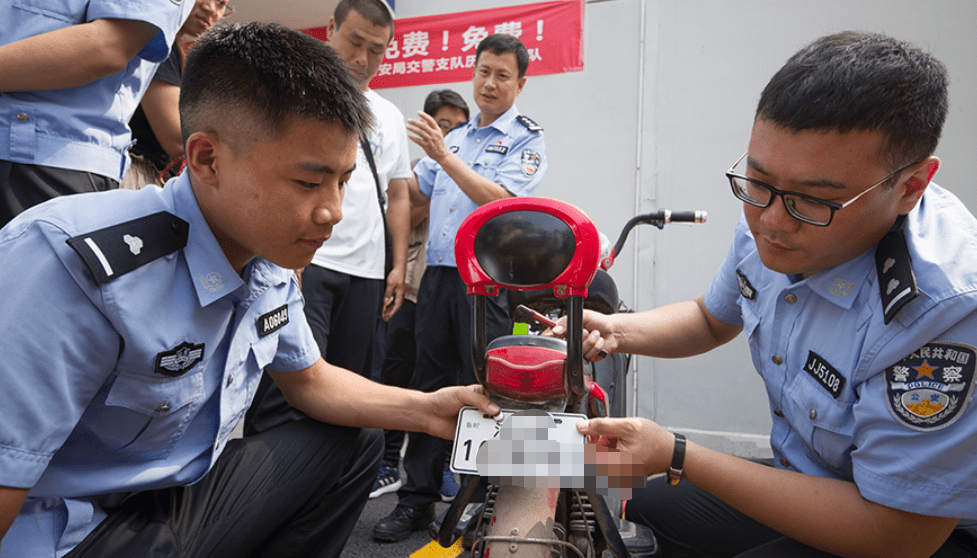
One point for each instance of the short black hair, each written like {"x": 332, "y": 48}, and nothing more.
{"x": 866, "y": 82}
{"x": 373, "y": 11}
{"x": 269, "y": 74}
{"x": 436, "y": 100}
{"x": 500, "y": 43}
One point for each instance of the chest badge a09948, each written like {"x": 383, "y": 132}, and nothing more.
{"x": 929, "y": 389}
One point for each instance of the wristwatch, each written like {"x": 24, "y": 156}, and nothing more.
{"x": 674, "y": 474}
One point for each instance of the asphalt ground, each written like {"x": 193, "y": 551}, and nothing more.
{"x": 418, "y": 545}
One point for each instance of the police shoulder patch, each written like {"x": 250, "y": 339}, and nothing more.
{"x": 114, "y": 251}
{"x": 929, "y": 389}
{"x": 529, "y": 123}
{"x": 531, "y": 159}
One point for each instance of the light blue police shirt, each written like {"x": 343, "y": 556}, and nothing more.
{"x": 82, "y": 128}
{"x": 87, "y": 408}
{"x": 886, "y": 406}
{"x": 506, "y": 152}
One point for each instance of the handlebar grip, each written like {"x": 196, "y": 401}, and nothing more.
{"x": 697, "y": 216}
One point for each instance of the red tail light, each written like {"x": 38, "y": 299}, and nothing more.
{"x": 526, "y": 373}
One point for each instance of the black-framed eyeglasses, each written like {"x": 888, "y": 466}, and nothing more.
{"x": 804, "y": 208}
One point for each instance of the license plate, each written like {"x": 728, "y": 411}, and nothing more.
{"x": 475, "y": 428}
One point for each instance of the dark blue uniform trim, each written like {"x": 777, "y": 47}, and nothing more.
{"x": 114, "y": 251}
{"x": 529, "y": 123}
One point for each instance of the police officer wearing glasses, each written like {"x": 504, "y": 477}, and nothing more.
{"x": 857, "y": 292}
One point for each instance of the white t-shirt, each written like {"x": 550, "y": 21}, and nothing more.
{"x": 356, "y": 246}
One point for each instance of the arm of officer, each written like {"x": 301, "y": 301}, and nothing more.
{"x": 398, "y": 223}
{"x": 161, "y": 105}
{"x": 72, "y": 56}
{"x": 337, "y": 396}
{"x": 676, "y": 330}
{"x": 420, "y": 205}
{"x": 11, "y": 500}
{"x": 427, "y": 134}
{"x": 824, "y": 513}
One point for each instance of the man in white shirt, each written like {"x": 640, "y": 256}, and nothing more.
{"x": 344, "y": 284}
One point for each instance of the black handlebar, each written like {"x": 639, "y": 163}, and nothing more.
{"x": 659, "y": 219}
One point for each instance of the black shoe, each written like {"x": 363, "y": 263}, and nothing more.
{"x": 402, "y": 522}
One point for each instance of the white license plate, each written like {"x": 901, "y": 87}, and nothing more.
{"x": 475, "y": 428}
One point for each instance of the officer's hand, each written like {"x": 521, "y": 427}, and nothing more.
{"x": 442, "y": 406}
{"x": 649, "y": 443}
{"x": 426, "y": 133}
{"x": 598, "y": 340}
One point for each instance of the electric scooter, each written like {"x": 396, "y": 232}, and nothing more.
{"x": 545, "y": 254}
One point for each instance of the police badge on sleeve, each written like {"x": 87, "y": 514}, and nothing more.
{"x": 929, "y": 389}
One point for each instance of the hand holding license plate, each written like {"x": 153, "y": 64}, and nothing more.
{"x": 476, "y": 428}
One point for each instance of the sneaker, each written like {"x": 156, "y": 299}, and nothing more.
{"x": 402, "y": 522}
{"x": 388, "y": 480}
{"x": 449, "y": 486}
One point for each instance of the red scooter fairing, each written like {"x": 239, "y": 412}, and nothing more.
{"x": 525, "y": 245}
{"x": 529, "y": 244}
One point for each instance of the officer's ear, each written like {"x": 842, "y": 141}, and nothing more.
{"x": 201, "y": 156}
{"x": 915, "y": 185}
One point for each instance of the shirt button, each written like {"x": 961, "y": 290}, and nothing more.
{"x": 451, "y": 209}
{"x": 440, "y": 259}
{"x": 444, "y": 233}
{"x": 779, "y": 413}
{"x": 777, "y": 360}
{"x": 813, "y": 414}
{"x": 230, "y": 379}
{"x": 784, "y": 462}
{"x": 23, "y": 117}
{"x": 162, "y": 408}
{"x": 217, "y": 446}
{"x": 791, "y": 298}
{"x": 478, "y": 141}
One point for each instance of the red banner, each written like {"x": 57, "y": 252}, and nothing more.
{"x": 441, "y": 48}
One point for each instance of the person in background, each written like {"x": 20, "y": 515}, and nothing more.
{"x": 855, "y": 280}
{"x": 449, "y": 110}
{"x": 135, "y": 327}
{"x": 344, "y": 285}
{"x": 156, "y": 123}
{"x": 497, "y": 154}
{"x": 71, "y": 76}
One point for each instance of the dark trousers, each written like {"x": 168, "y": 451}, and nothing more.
{"x": 294, "y": 491}
{"x": 690, "y": 522}
{"x": 444, "y": 358}
{"x": 23, "y": 186}
{"x": 398, "y": 368}
{"x": 341, "y": 310}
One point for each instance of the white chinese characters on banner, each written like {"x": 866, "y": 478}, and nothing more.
{"x": 441, "y": 49}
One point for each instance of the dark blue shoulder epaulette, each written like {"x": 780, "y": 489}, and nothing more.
{"x": 529, "y": 123}
{"x": 895, "y": 269}
{"x": 114, "y": 251}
